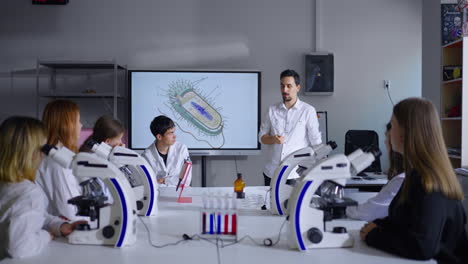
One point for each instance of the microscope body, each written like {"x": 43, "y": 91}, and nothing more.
{"x": 297, "y": 162}
{"x": 113, "y": 224}
{"x": 307, "y": 223}
{"x": 138, "y": 172}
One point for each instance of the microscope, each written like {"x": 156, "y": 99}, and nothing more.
{"x": 297, "y": 162}
{"x": 138, "y": 172}
{"x": 307, "y": 218}
{"x": 109, "y": 224}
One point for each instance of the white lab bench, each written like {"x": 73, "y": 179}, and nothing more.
{"x": 175, "y": 219}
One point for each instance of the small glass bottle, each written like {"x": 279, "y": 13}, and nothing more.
{"x": 239, "y": 185}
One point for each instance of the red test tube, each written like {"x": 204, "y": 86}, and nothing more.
{"x": 204, "y": 223}
{"x": 234, "y": 224}
{"x": 226, "y": 224}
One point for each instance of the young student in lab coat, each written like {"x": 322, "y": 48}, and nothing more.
{"x": 165, "y": 155}
{"x": 110, "y": 131}
{"x": 426, "y": 219}
{"x": 377, "y": 207}
{"x": 107, "y": 130}
{"x": 62, "y": 121}
{"x": 25, "y": 226}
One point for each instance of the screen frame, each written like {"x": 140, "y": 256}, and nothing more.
{"x": 202, "y": 151}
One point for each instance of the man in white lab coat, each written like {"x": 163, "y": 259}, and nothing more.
{"x": 165, "y": 155}
{"x": 289, "y": 125}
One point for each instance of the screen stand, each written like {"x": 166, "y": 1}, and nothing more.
{"x": 203, "y": 171}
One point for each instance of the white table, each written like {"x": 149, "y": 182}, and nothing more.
{"x": 176, "y": 219}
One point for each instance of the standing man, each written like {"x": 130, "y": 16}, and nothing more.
{"x": 288, "y": 126}
{"x": 166, "y": 156}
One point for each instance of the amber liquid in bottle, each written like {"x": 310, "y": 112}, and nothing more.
{"x": 239, "y": 185}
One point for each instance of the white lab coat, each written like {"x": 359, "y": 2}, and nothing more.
{"x": 176, "y": 156}
{"x": 377, "y": 207}
{"x": 59, "y": 185}
{"x": 24, "y": 221}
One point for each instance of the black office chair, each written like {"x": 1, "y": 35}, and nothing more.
{"x": 363, "y": 139}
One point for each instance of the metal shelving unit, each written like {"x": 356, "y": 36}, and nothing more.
{"x": 74, "y": 80}
{"x": 454, "y": 127}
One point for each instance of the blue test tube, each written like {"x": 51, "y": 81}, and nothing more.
{"x": 211, "y": 223}
{"x": 219, "y": 223}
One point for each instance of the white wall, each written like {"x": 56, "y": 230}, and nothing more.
{"x": 372, "y": 40}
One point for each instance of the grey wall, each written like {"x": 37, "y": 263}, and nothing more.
{"x": 372, "y": 40}
{"x": 431, "y": 51}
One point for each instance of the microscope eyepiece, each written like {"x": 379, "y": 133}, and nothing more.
{"x": 47, "y": 148}
{"x": 332, "y": 144}
{"x": 373, "y": 149}
{"x": 91, "y": 143}
{"x": 376, "y": 152}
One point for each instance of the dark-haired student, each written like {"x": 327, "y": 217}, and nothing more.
{"x": 426, "y": 219}
{"x": 107, "y": 130}
{"x": 165, "y": 155}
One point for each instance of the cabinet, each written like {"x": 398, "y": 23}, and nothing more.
{"x": 98, "y": 87}
{"x": 454, "y": 116}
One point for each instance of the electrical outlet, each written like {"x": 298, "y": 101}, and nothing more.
{"x": 386, "y": 84}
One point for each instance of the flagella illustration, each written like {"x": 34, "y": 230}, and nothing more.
{"x": 196, "y": 109}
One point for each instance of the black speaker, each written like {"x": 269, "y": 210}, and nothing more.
{"x": 319, "y": 74}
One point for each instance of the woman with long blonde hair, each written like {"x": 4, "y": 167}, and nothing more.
{"x": 62, "y": 121}
{"x": 25, "y": 226}
{"x": 426, "y": 219}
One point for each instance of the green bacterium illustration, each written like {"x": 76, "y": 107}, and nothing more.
{"x": 195, "y": 108}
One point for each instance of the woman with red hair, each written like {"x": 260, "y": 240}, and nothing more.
{"x": 62, "y": 121}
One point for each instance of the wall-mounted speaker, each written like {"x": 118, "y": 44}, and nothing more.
{"x": 319, "y": 74}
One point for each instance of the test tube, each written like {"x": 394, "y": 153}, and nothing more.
{"x": 226, "y": 223}
{"x": 204, "y": 222}
{"x": 219, "y": 223}
{"x": 226, "y": 214}
{"x": 234, "y": 215}
{"x": 234, "y": 223}
{"x": 211, "y": 223}
{"x": 205, "y": 206}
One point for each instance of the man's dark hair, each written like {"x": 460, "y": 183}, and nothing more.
{"x": 160, "y": 125}
{"x": 291, "y": 73}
